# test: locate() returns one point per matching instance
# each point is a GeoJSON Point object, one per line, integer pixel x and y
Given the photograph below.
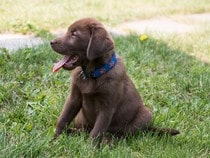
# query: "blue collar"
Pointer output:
{"type": "Point", "coordinates": [101, 70]}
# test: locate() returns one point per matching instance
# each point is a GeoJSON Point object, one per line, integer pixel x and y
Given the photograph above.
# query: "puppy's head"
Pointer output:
{"type": "Point", "coordinates": [85, 40]}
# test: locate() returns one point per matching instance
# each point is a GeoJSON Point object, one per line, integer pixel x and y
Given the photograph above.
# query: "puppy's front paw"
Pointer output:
{"type": "Point", "coordinates": [73, 131]}
{"type": "Point", "coordinates": [54, 138]}
{"type": "Point", "coordinates": [56, 134]}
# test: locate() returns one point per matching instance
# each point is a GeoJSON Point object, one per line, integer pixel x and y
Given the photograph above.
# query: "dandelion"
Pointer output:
{"type": "Point", "coordinates": [143, 37]}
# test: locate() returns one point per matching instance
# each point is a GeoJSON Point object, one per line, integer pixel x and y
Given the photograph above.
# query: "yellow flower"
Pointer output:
{"type": "Point", "coordinates": [143, 37]}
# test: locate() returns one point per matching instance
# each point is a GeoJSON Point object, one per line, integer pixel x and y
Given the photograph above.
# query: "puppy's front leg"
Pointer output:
{"type": "Point", "coordinates": [71, 108]}
{"type": "Point", "coordinates": [102, 123]}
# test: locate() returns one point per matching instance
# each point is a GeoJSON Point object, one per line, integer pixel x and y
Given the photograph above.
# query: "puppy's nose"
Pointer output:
{"type": "Point", "coordinates": [53, 42]}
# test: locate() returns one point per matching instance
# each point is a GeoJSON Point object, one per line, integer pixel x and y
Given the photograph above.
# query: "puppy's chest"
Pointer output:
{"type": "Point", "coordinates": [92, 104]}
{"type": "Point", "coordinates": [86, 86]}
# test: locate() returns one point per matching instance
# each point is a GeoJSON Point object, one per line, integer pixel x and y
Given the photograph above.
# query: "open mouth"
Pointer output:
{"type": "Point", "coordinates": [67, 61]}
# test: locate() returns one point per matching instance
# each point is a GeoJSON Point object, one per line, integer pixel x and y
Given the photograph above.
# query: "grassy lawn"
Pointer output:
{"type": "Point", "coordinates": [28, 16]}
{"type": "Point", "coordinates": [167, 70]}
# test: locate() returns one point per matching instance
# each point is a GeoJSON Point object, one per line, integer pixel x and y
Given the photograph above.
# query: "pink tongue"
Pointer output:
{"type": "Point", "coordinates": [60, 63]}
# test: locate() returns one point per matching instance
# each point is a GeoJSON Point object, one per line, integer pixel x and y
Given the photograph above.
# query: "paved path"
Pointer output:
{"type": "Point", "coordinates": [13, 42]}
{"type": "Point", "coordinates": [153, 25]}
{"type": "Point", "coordinates": [178, 24]}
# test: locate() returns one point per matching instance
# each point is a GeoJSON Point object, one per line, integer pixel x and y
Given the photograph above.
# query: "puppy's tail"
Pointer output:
{"type": "Point", "coordinates": [163, 131]}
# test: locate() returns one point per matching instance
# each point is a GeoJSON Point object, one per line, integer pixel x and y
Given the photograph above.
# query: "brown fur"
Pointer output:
{"type": "Point", "coordinates": [109, 103]}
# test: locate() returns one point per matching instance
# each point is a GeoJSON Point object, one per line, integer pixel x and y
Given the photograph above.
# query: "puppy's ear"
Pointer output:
{"type": "Point", "coordinates": [100, 42]}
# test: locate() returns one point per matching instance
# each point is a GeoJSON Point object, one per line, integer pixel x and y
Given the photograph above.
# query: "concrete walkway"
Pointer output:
{"type": "Point", "coordinates": [153, 25]}
{"type": "Point", "coordinates": [13, 42]}
{"type": "Point", "coordinates": [177, 24]}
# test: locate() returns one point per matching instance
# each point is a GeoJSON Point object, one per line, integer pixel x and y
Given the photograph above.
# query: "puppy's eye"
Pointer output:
{"type": "Point", "coordinates": [73, 33]}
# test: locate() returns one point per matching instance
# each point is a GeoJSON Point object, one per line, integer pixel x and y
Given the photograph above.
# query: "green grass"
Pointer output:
{"type": "Point", "coordinates": [174, 85]}
{"type": "Point", "coordinates": [171, 72]}
{"type": "Point", "coordinates": [29, 16]}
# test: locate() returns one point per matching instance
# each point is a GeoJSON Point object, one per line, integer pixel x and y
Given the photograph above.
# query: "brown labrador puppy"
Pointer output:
{"type": "Point", "coordinates": [103, 98]}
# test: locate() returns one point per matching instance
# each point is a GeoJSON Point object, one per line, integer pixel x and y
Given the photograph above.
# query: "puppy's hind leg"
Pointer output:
{"type": "Point", "coordinates": [142, 121]}
{"type": "Point", "coordinates": [81, 123]}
